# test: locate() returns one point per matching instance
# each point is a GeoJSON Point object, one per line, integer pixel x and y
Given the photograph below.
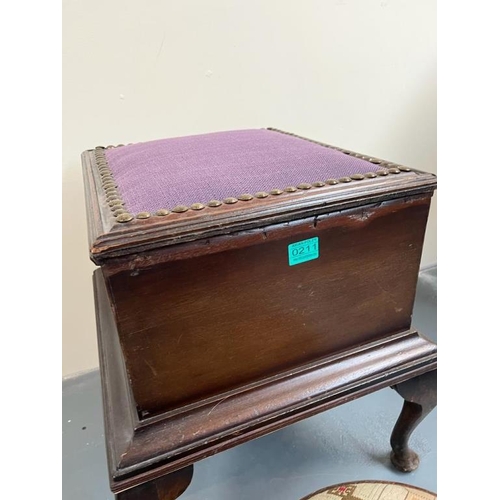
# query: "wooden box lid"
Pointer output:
{"type": "Point", "coordinates": [153, 194]}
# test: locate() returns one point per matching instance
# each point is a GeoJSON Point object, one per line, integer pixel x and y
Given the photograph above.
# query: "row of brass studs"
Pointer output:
{"type": "Point", "coordinates": [113, 198]}
{"type": "Point", "coordinates": [375, 161]}
{"type": "Point", "coordinates": [117, 205]}
{"type": "Point", "coordinates": [262, 194]}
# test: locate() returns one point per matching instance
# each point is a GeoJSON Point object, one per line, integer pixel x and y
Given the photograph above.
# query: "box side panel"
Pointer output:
{"type": "Point", "coordinates": [212, 317]}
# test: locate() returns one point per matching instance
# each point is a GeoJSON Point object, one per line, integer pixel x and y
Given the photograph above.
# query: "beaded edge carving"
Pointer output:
{"type": "Point", "coordinates": [117, 206]}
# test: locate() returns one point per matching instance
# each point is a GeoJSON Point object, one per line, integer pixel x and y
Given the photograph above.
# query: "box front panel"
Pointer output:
{"type": "Point", "coordinates": [211, 317]}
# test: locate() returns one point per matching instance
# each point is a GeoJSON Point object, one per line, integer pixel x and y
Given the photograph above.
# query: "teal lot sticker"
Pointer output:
{"type": "Point", "coordinates": [303, 251]}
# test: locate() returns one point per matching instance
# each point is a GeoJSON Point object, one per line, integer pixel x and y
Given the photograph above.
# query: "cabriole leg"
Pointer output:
{"type": "Point", "coordinates": [420, 395]}
{"type": "Point", "coordinates": [167, 487]}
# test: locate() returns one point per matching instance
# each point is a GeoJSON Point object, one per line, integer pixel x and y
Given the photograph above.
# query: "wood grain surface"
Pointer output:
{"type": "Point", "coordinates": [211, 317]}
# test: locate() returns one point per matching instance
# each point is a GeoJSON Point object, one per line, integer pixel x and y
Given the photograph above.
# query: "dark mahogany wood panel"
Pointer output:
{"type": "Point", "coordinates": [172, 441]}
{"type": "Point", "coordinates": [197, 320]}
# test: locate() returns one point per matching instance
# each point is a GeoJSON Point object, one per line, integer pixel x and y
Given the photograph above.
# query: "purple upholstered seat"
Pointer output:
{"type": "Point", "coordinates": [196, 169]}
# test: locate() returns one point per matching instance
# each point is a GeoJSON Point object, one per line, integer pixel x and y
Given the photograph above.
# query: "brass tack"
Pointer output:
{"type": "Point", "coordinates": [126, 217]}
{"type": "Point", "coordinates": [115, 202]}
{"type": "Point", "coordinates": [230, 201]}
{"type": "Point", "coordinates": [245, 197]}
{"type": "Point", "coordinates": [261, 194]}
{"type": "Point", "coordinates": [404, 169]}
{"type": "Point", "coordinates": [110, 147]}
{"type": "Point", "coordinates": [374, 160]}
{"type": "Point", "coordinates": [345, 179]}
{"type": "Point", "coordinates": [99, 147]}
{"type": "Point", "coordinates": [119, 145]}
{"type": "Point", "coordinates": [318, 184]}
{"type": "Point", "coordinates": [290, 189]}
{"type": "Point", "coordinates": [382, 172]}
{"type": "Point", "coordinates": [162, 211]}
{"type": "Point", "coordinates": [394, 171]}
{"type": "Point", "coordinates": [197, 206]}
{"type": "Point", "coordinates": [143, 215]}
{"type": "Point", "coordinates": [111, 191]}
{"type": "Point", "coordinates": [117, 207]}
{"type": "Point", "coordinates": [276, 192]}
{"type": "Point", "coordinates": [332, 182]}
{"type": "Point", "coordinates": [357, 177]}
{"type": "Point", "coordinates": [119, 211]}
{"type": "Point", "coordinates": [214, 203]}
{"type": "Point", "coordinates": [180, 209]}
{"type": "Point", "coordinates": [304, 185]}
{"type": "Point", "coordinates": [370, 175]}
{"type": "Point", "coordinates": [112, 197]}
{"type": "Point", "coordinates": [106, 178]}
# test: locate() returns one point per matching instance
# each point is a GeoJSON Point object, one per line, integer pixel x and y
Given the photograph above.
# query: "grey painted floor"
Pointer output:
{"type": "Point", "coordinates": [346, 443]}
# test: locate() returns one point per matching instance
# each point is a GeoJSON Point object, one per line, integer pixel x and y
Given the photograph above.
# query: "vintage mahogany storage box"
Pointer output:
{"type": "Point", "coordinates": [249, 279]}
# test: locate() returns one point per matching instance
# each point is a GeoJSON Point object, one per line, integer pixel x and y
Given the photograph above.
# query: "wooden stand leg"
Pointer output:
{"type": "Point", "coordinates": [420, 395]}
{"type": "Point", "coordinates": [168, 487]}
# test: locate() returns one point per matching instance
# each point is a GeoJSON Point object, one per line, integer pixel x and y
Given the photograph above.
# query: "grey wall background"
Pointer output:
{"type": "Point", "coordinates": [360, 74]}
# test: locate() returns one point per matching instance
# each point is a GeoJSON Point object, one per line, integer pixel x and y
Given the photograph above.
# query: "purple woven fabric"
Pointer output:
{"type": "Point", "coordinates": [196, 169]}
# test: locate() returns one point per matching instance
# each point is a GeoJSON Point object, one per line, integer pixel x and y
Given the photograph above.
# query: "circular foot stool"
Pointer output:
{"type": "Point", "coordinates": [371, 490]}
